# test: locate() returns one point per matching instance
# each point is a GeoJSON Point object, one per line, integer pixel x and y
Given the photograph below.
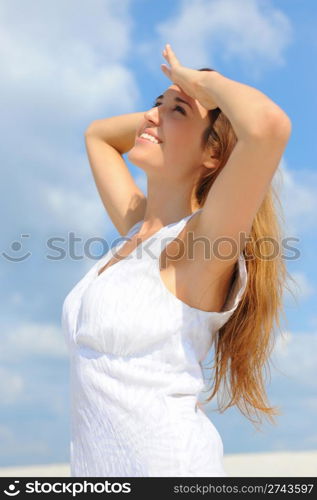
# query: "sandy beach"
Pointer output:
{"type": "Point", "coordinates": [278, 464]}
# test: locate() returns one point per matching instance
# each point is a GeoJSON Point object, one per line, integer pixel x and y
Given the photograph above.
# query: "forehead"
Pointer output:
{"type": "Point", "coordinates": [175, 90]}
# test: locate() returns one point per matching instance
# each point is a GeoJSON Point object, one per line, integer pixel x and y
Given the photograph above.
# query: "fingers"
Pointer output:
{"type": "Point", "coordinates": [166, 55]}
{"type": "Point", "coordinates": [166, 71]}
{"type": "Point", "coordinates": [171, 59]}
{"type": "Point", "coordinates": [169, 55]}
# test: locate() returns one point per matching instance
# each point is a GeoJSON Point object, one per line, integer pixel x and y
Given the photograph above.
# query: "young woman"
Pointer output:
{"type": "Point", "coordinates": [189, 275]}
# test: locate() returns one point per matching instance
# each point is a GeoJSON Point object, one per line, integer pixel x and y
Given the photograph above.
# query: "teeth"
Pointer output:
{"type": "Point", "coordinates": [149, 137]}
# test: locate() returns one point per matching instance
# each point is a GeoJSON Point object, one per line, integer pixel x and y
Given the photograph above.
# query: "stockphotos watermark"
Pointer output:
{"type": "Point", "coordinates": [76, 248]}
{"type": "Point", "coordinates": [60, 487]}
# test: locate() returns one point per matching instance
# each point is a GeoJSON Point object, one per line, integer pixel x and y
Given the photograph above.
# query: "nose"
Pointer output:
{"type": "Point", "coordinates": [152, 114]}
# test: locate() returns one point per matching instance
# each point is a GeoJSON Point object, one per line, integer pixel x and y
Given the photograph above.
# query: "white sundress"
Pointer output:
{"type": "Point", "coordinates": [135, 369]}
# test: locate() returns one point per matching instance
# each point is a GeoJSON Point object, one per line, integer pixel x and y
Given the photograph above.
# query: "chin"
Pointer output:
{"type": "Point", "coordinates": [143, 159]}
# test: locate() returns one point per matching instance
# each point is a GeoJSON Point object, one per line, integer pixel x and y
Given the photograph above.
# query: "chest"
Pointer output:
{"type": "Point", "coordinates": [189, 280]}
{"type": "Point", "coordinates": [123, 312]}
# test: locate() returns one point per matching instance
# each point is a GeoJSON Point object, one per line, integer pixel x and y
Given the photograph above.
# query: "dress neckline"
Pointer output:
{"type": "Point", "coordinates": [136, 226]}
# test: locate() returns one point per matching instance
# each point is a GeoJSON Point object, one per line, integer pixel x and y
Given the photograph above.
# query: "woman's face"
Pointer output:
{"type": "Point", "coordinates": [180, 126]}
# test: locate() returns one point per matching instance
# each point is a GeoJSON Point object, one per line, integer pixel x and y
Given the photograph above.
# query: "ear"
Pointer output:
{"type": "Point", "coordinates": [209, 161]}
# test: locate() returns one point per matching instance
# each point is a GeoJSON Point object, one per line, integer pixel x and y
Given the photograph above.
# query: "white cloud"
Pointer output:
{"type": "Point", "coordinates": [294, 357]}
{"type": "Point", "coordinates": [28, 340]}
{"type": "Point", "coordinates": [305, 288]}
{"type": "Point", "coordinates": [312, 321]}
{"type": "Point", "coordinates": [5, 433]}
{"type": "Point", "coordinates": [298, 196]}
{"type": "Point", "coordinates": [16, 298]}
{"type": "Point", "coordinates": [63, 64]}
{"type": "Point", "coordinates": [73, 211]}
{"type": "Point", "coordinates": [60, 69]}
{"type": "Point", "coordinates": [11, 386]}
{"type": "Point", "coordinates": [59, 61]}
{"type": "Point", "coordinates": [207, 32]}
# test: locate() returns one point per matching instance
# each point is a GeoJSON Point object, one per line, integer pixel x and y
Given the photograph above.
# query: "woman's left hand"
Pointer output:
{"type": "Point", "coordinates": [186, 78]}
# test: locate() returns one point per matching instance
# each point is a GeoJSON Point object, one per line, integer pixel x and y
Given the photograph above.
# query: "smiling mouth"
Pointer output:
{"type": "Point", "coordinates": [149, 141]}
{"type": "Point", "coordinates": [150, 137]}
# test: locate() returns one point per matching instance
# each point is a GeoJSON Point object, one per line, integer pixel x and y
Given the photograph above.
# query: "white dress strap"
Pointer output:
{"type": "Point", "coordinates": [238, 287]}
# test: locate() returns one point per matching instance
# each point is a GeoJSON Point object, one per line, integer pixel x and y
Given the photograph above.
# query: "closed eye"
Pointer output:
{"type": "Point", "coordinates": [177, 108]}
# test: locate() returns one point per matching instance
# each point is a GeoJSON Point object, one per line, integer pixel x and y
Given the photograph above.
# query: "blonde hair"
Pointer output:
{"type": "Point", "coordinates": [244, 344]}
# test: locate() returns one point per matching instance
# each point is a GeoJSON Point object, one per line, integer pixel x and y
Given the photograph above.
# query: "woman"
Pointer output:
{"type": "Point", "coordinates": [138, 329]}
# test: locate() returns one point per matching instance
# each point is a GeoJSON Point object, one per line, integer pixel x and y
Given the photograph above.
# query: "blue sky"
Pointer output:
{"type": "Point", "coordinates": [64, 64]}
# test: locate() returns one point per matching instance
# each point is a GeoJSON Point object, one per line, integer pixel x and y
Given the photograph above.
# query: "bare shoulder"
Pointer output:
{"type": "Point", "coordinates": [192, 274]}
{"type": "Point", "coordinates": [206, 253]}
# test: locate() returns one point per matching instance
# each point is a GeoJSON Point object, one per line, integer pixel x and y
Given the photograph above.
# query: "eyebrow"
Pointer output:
{"type": "Point", "coordinates": [178, 99]}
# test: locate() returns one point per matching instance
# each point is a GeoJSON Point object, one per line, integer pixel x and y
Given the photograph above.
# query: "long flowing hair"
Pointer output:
{"type": "Point", "coordinates": [243, 346]}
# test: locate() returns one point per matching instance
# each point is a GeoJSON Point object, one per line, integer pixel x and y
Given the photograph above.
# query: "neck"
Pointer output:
{"type": "Point", "coordinates": [166, 205]}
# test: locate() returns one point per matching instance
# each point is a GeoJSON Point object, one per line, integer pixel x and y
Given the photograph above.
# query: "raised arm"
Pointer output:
{"type": "Point", "coordinates": [263, 130]}
{"type": "Point", "coordinates": [106, 141]}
